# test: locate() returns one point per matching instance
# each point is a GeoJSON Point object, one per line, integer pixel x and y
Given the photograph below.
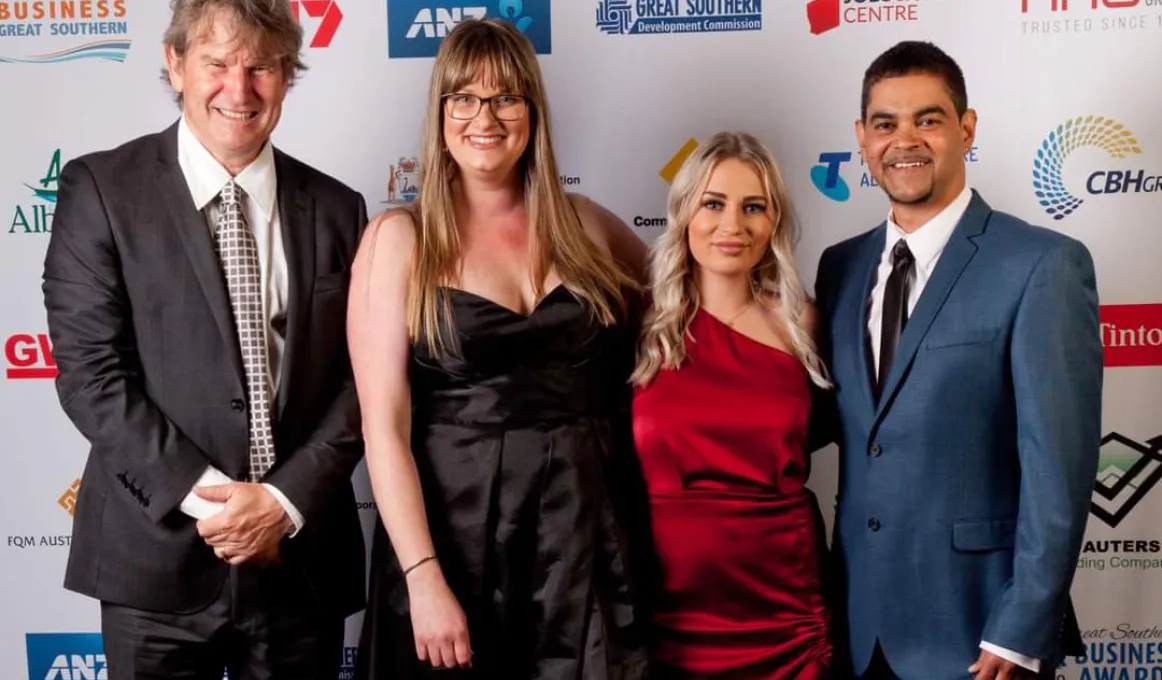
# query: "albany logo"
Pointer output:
{"type": "Point", "coordinates": [415, 28]}
{"type": "Point", "coordinates": [828, 179]}
{"type": "Point", "coordinates": [326, 17]}
{"type": "Point", "coordinates": [66, 656]}
{"type": "Point", "coordinates": [36, 218]}
{"type": "Point", "coordinates": [651, 17]}
{"type": "Point", "coordinates": [59, 31]}
{"type": "Point", "coordinates": [1127, 471]}
{"type": "Point", "coordinates": [29, 357]}
{"type": "Point", "coordinates": [826, 15]}
{"type": "Point", "coordinates": [1099, 132]}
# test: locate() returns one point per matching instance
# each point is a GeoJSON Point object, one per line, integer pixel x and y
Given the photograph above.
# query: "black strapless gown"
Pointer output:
{"type": "Point", "coordinates": [511, 437]}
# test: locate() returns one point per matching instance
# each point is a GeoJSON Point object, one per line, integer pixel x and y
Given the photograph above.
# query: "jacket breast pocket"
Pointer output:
{"type": "Point", "coordinates": [976, 336]}
{"type": "Point", "coordinates": [332, 282]}
{"type": "Point", "coordinates": [982, 535]}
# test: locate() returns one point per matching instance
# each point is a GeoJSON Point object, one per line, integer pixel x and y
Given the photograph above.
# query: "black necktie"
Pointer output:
{"type": "Point", "coordinates": [895, 310]}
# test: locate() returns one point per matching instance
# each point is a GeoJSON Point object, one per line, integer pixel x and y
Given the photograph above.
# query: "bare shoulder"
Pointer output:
{"type": "Point", "coordinates": [612, 235]}
{"type": "Point", "coordinates": [594, 219]}
{"type": "Point", "coordinates": [390, 237]}
{"type": "Point", "coordinates": [809, 318]}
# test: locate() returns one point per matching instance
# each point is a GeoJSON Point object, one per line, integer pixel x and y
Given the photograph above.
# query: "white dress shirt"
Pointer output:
{"type": "Point", "coordinates": [205, 178]}
{"type": "Point", "coordinates": [926, 243]}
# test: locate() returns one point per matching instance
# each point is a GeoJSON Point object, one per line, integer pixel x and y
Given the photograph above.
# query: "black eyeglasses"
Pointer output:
{"type": "Point", "coordinates": [507, 107]}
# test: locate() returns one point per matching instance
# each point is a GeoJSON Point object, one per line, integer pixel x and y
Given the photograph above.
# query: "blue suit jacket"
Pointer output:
{"type": "Point", "coordinates": [964, 493]}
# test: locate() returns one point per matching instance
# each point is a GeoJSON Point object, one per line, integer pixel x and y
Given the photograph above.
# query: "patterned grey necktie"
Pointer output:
{"type": "Point", "coordinates": [238, 252]}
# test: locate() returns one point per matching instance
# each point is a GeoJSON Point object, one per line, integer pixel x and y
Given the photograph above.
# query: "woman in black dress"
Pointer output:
{"type": "Point", "coordinates": [488, 341]}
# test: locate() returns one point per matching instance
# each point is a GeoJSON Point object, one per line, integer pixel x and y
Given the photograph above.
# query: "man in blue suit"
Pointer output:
{"type": "Point", "coordinates": [965, 350]}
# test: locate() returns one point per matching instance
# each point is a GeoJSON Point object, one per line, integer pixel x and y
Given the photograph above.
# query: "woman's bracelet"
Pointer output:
{"type": "Point", "coordinates": [407, 571]}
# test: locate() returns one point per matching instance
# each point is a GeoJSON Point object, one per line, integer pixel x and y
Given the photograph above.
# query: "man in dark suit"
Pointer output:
{"type": "Point", "coordinates": [965, 350]}
{"type": "Point", "coordinates": [196, 286]}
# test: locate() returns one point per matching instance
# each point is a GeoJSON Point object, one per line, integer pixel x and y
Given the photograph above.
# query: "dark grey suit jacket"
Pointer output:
{"type": "Point", "coordinates": [151, 375]}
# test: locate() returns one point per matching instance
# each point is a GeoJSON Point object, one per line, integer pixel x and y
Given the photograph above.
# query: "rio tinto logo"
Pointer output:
{"type": "Point", "coordinates": [1131, 335]}
{"type": "Point", "coordinates": [29, 357]}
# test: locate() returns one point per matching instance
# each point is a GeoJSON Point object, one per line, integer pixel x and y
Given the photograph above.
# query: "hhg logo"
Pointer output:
{"type": "Point", "coordinates": [620, 17]}
{"type": "Point", "coordinates": [829, 181]}
{"type": "Point", "coordinates": [65, 656]}
{"type": "Point", "coordinates": [1126, 472]}
{"type": "Point", "coordinates": [64, 30]}
{"type": "Point", "coordinates": [36, 218]}
{"type": "Point", "coordinates": [329, 14]}
{"type": "Point", "coordinates": [415, 28]}
{"type": "Point", "coordinates": [1100, 132]}
{"type": "Point", "coordinates": [29, 357]}
{"type": "Point", "coordinates": [825, 15]}
{"type": "Point", "coordinates": [68, 499]}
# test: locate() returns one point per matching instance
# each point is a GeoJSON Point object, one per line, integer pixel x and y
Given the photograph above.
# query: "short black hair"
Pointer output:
{"type": "Point", "coordinates": [913, 57]}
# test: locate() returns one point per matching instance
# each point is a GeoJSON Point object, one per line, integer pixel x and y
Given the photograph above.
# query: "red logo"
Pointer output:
{"type": "Point", "coordinates": [1131, 335]}
{"type": "Point", "coordinates": [29, 357]}
{"type": "Point", "coordinates": [328, 11]}
{"type": "Point", "coordinates": [824, 15]}
{"type": "Point", "coordinates": [1063, 5]}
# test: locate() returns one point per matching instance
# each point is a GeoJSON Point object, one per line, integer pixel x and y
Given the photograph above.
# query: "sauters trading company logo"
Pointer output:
{"type": "Point", "coordinates": [58, 31]}
{"type": "Point", "coordinates": [826, 15]}
{"type": "Point", "coordinates": [640, 17]}
{"type": "Point", "coordinates": [1127, 471]}
{"type": "Point", "coordinates": [415, 28]}
{"type": "Point", "coordinates": [35, 217]}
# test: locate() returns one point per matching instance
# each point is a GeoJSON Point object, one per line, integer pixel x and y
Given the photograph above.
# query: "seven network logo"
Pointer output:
{"type": "Point", "coordinates": [825, 15]}
{"type": "Point", "coordinates": [1126, 472]}
{"type": "Point", "coordinates": [64, 30]}
{"type": "Point", "coordinates": [36, 217]}
{"type": "Point", "coordinates": [327, 13]}
{"type": "Point", "coordinates": [829, 181]}
{"type": "Point", "coordinates": [619, 17]}
{"type": "Point", "coordinates": [1100, 132]}
{"type": "Point", "coordinates": [415, 28]}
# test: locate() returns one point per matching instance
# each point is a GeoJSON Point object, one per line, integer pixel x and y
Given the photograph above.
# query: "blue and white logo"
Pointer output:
{"type": "Point", "coordinates": [415, 28]}
{"type": "Point", "coordinates": [620, 17]}
{"type": "Point", "coordinates": [65, 656]}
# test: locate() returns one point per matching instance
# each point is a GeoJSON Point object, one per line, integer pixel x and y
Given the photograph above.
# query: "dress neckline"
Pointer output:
{"type": "Point", "coordinates": [536, 308]}
{"type": "Point", "coordinates": [737, 333]}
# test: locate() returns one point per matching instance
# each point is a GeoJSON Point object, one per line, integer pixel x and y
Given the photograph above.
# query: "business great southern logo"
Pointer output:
{"type": "Point", "coordinates": [59, 31]}
{"type": "Point", "coordinates": [1127, 471]}
{"type": "Point", "coordinates": [826, 15]}
{"type": "Point", "coordinates": [643, 17]}
{"type": "Point", "coordinates": [325, 17]}
{"type": "Point", "coordinates": [415, 28]}
{"type": "Point", "coordinates": [65, 656]}
{"type": "Point", "coordinates": [1100, 132]}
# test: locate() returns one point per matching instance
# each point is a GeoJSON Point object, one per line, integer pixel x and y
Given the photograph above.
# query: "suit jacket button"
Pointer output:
{"type": "Point", "coordinates": [237, 404]}
{"type": "Point", "coordinates": [873, 524]}
{"type": "Point", "coordinates": [875, 450]}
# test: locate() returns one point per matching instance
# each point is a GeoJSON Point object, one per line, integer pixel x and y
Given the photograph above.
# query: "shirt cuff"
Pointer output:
{"type": "Point", "coordinates": [199, 508]}
{"type": "Point", "coordinates": [1029, 662]}
{"type": "Point", "coordinates": [291, 510]}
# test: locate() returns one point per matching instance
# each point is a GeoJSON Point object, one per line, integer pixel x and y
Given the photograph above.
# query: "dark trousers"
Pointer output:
{"type": "Point", "coordinates": [264, 625]}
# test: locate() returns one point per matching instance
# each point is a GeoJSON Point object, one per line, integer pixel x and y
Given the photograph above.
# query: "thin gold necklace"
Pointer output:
{"type": "Point", "coordinates": [740, 313]}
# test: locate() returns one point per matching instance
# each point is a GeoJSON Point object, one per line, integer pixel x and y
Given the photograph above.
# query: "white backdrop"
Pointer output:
{"type": "Point", "coordinates": [630, 83]}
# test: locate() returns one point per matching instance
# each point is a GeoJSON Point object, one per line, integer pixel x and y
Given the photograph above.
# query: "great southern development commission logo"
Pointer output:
{"type": "Point", "coordinates": [58, 31]}
{"type": "Point", "coordinates": [622, 17]}
{"type": "Point", "coordinates": [1127, 470]}
{"type": "Point", "coordinates": [1100, 132]}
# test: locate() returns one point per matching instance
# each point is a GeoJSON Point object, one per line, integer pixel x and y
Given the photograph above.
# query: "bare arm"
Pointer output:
{"type": "Point", "coordinates": [379, 347]}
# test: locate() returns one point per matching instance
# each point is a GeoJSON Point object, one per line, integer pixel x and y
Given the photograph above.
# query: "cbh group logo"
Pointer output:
{"type": "Point", "coordinates": [325, 17]}
{"type": "Point", "coordinates": [415, 28]}
{"type": "Point", "coordinates": [29, 357]}
{"type": "Point", "coordinates": [827, 15]}
{"type": "Point", "coordinates": [65, 656]}
{"type": "Point", "coordinates": [1098, 132]}
{"type": "Point", "coordinates": [59, 31]}
{"type": "Point", "coordinates": [35, 217]}
{"type": "Point", "coordinates": [622, 17]}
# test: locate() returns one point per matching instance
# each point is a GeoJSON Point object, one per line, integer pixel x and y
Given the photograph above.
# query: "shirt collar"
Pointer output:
{"type": "Point", "coordinates": [206, 176]}
{"type": "Point", "coordinates": [927, 241]}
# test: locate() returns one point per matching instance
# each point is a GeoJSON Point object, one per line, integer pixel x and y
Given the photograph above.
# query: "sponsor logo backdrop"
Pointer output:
{"type": "Point", "coordinates": [1069, 138]}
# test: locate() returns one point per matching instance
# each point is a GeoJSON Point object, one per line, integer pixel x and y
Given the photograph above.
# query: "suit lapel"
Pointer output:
{"type": "Point", "coordinates": [296, 215]}
{"type": "Point", "coordinates": [195, 236]}
{"type": "Point", "coordinates": [956, 255]}
{"type": "Point", "coordinates": [867, 262]}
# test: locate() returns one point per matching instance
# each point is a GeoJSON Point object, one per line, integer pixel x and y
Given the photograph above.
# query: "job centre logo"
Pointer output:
{"type": "Point", "coordinates": [415, 28]}
{"type": "Point", "coordinates": [1099, 132]}
{"type": "Point", "coordinates": [646, 17]}
{"type": "Point", "coordinates": [59, 31]}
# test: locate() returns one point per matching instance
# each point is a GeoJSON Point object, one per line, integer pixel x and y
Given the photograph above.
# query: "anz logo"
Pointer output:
{"type": "Point", "coordinates": [415, 28]}
{"type": "Point", "coordinates": [78, 667]}
{"type": "Point", "coordinates": [66, 656]}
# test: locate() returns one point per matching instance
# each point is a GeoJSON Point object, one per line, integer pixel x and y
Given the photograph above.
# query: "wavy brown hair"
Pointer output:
{"type": "Point", "coordinates": [496, 49]}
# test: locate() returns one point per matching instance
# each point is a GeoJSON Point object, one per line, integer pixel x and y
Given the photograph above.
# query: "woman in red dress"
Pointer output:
{"type": "Point", "coordinates": [725, 375]}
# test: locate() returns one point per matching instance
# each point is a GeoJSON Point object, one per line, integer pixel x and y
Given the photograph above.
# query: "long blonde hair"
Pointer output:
{"type": "Point", "coordinates": [675, 295]}
{"type": "Point", "coordinates": [498, 49]}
